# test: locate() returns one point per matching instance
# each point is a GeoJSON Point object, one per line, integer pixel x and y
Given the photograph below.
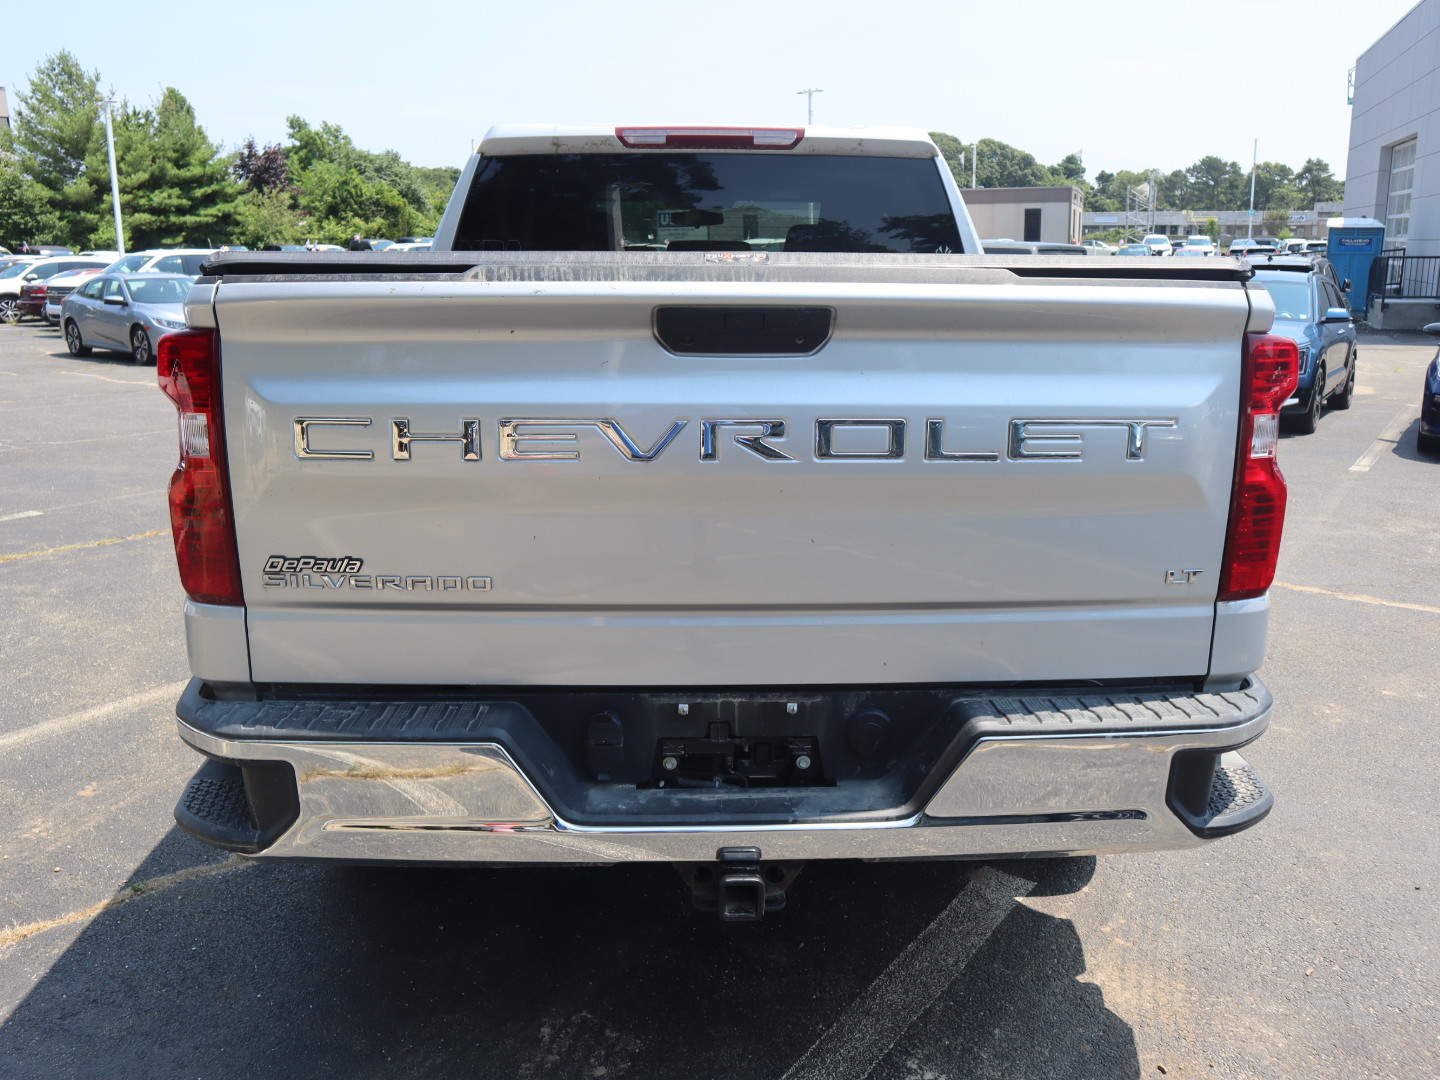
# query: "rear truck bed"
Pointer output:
{"type": "Point", "coordinates": [592, 558]}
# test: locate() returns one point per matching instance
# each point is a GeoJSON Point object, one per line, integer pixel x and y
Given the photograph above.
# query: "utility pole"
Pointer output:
{"type": "Point", "coordinates": [809, 104]}
{"type": "Point", "coordinates": [109, 104]}
{"type": "Point", "coordinates": [1250, 222]}
{"type": "Point", "coordinates": [974, 158]}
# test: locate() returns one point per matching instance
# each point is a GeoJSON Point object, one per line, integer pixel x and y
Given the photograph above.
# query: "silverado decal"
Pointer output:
{"type": "Point", "coordinates": [343, 572]}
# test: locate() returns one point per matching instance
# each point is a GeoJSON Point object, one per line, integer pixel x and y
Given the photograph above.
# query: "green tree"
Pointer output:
{"type": "Point", "coordinates": [57, 122]}
{"type": "Point", "coordinates": [267, 217]}
{"type": "Point", "coordinates": [1272, 180]}
{"type": "Point", "coordinates": [999, 164]}
{"type": "Point", "coordinates": [1316, 183]}
{"type": "Point", "coordinates": [1214, 184]}
{"type": "Point", "coordinates": [25, 214]}
{"type": "Point", "coordinates": [1174, 193]}
{"type": "Point", "coordinates": [1101, 199]}
{"type": "Point", "coordinates": [955, 154]}
{"type": "Point", "coordinates": [175, 185]}
{"type": "Point", "coordinates": [183, 191]}
{"type": "Point", "coordinates": [343, 190]}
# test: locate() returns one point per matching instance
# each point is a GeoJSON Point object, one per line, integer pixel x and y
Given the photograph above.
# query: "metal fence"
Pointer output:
{"type": "Point", "coordinates": [1397, 276]}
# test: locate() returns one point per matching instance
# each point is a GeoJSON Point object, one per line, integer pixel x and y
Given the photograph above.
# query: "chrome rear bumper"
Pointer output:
{"type": "Point", "coordinates": [1060, 779]}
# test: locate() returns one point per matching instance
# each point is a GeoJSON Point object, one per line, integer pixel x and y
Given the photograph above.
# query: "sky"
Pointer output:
{"type": "Point", "coordinates": [1159, 86]}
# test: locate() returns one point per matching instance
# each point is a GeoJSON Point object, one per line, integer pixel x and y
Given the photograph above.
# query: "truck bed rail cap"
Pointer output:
{"type": "Point", "coordinates": [571, 266]}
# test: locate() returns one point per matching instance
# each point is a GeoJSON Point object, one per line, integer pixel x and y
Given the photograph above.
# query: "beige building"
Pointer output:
{"type": "Point", "coordinates": [4, 109]}
{"type": "Point", "coordinates": [1312, 224]}
{"type": "Point", "coordinates": [1050, 215]}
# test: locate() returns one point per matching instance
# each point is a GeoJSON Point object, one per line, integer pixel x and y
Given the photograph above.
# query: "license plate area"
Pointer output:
{"type": "Point", "coordinates": [723, 757]}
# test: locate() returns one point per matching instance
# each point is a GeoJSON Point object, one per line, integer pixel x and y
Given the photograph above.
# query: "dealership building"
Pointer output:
{"type": "Point", "coordinates": [1393, 172]}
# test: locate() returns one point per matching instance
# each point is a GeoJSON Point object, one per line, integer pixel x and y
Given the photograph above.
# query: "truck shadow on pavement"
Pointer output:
{"type": "Point", "coordinates": [282, 970]}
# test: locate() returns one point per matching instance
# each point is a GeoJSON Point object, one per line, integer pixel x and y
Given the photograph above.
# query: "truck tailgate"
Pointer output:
{"type": "Point", "coordinates": [1039, 488]}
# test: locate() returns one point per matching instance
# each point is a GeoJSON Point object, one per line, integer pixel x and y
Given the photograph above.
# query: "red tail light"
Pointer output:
{"type": "Point", "coordinates": [200, 510]}
{"type": "Point", "coordinates": [709, 138]}
{"type": "Point", "coordinates": [1271, 371]}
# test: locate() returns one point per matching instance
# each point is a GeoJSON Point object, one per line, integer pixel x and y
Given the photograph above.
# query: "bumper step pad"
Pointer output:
{"type": "Point", "coordinates": [215, 809]}
{"type": "Point", "coordinates": [1238, 797]}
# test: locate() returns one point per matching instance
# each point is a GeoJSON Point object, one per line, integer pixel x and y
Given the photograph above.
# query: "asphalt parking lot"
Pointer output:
{"type": "Point", "coordinates": [1306, 947]}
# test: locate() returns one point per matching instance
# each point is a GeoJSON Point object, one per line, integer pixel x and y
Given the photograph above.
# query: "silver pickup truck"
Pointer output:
{"type": "Point", "coordinates": [708, 497]}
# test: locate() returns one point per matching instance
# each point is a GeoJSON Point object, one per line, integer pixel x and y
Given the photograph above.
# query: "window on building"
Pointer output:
{"type": "Point", "coordinates": [1397, 202]}
{"type": "Point", "coordinates": [1032, 224]}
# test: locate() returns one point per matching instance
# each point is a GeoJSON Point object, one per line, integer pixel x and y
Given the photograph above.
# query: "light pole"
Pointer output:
{"type": "Point", "coordinates": [1250, 221]}
{"type": "Point", "coordinates": [109, 104]}
{"type": "Point", "coordinates": [809, 104]}
{"type": "Point", "coordinates": [974, 157]}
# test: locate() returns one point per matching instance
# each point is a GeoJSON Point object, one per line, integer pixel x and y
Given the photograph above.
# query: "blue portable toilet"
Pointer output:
{"type": "Point", "coordinates": [1355, 244]}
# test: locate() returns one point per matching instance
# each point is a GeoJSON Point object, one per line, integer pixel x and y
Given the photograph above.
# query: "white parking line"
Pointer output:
{"type": "Point", "coordinates": [128, 382]}
{"type": "Point", "coordinates": [1359, 598]}
{"type": "Point", "coordinates": [146, 698]}
{"type": "Point", "coordinates": [23, 514]}
{"type": "Point", "coordinates": [1387, 438]}
{"type": "Point", "coordinates": [878, 1018]}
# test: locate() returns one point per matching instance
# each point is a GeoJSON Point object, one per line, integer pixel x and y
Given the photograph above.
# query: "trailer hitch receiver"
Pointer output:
{"type": "Point", "coordinates": [739, 886]}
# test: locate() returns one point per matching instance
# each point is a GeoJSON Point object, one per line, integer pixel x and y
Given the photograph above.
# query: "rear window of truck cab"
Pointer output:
{"type": "Point", "coordinates": [707, 202]}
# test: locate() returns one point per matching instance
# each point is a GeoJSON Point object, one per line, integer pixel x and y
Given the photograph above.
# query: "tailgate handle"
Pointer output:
{"type": "Point", "coordinates": [743, 331]}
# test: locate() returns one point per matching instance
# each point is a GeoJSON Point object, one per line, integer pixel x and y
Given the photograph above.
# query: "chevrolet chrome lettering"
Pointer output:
{"type": "Point", "coordinates": [539, 438]}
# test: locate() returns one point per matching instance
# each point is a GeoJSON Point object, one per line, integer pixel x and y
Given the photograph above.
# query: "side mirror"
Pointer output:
{"type": "Point", "coordinates": [1433, 328]}
{"type": "Point", "coordinates": [115, 301]}
{"type": "Point", "coordinates": [31, 277]}
{"type": "Point", "coordinates": [1345, 284]}
{"type": "Point", "coordinates": [1336, 314]}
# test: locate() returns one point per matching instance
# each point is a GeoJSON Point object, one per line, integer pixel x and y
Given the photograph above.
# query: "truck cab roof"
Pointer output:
{"type": "Point", "coordinates": [510, 139]}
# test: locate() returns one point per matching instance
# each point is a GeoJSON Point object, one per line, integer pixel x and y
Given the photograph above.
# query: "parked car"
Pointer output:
{"type": "Point", "coordinates": [61, 286]}
{"type": "Point", "coordinates": [30, 279]}
{"type": "Point", "coordinates": [363, 244]}
{"type": "Point", "coordinates": [1098, 247]}
{"type": "Point", "coordinates": [421, 247]}
{"type": "Point", "coordinates": [1311, 309]}
{"type": "Point", "coordinates": [162, 261]}
{"type": "Point", "coordinates": [427, 240]}
{"type": "Point", "coordinates": [1030, 247]}
{"type": "Point", "coordinates": [1199, 244]}
{"type": "Point", "coordinates": [1427, 439]}
{"type": "Point", "coordinates": [126, 312]}
{"type": "Point", "coordinates": [1300, 264]}
{"type": "Point", "coordinates": [1158, 245]}
{"type": "Point", "coordinates": [1135, 248]}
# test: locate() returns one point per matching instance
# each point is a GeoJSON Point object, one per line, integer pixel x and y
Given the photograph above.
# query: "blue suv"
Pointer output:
{"type": "Point", "coordinates": [1311, 309]}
